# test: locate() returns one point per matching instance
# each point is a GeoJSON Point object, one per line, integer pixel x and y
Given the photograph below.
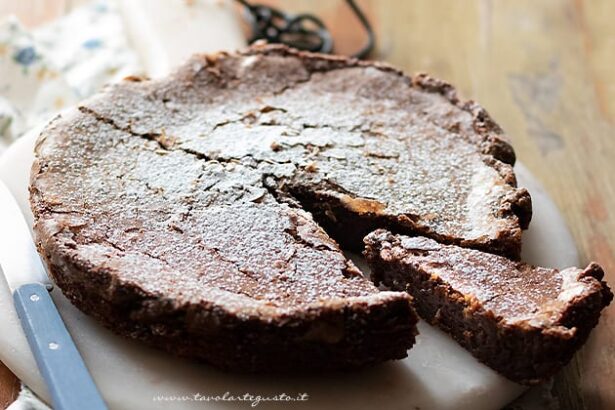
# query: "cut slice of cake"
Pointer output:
{"type": "Point", "coordinates": [526, 322]}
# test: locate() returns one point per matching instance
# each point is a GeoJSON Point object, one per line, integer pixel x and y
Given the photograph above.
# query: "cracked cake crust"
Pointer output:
{"type": "Point", "coordinates": [526, 322]}
{"type": "Point", "coordinates": [173, 210]}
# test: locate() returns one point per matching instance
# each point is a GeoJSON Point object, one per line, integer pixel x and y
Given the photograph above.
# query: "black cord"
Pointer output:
{"type": "Point", "coordinates": [275, 26]}
{"type": "Point", "coordinates": [371, 38]}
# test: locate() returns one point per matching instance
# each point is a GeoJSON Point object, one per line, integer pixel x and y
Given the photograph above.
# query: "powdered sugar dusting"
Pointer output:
{"type": "Point", "coordinates": [184, 186]}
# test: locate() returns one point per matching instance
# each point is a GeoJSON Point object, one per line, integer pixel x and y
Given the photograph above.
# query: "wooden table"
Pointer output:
{"type": "Point", "coordinates": [544, 70]}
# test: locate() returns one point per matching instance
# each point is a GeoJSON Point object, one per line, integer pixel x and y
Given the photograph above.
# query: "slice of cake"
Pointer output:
{"type": "Point", "coordinates": [526, 322]}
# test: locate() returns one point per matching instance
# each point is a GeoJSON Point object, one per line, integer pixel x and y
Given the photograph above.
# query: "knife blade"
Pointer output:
{"type": "Point", "coordinates": [18, 256]}
{"type": "Point", "coordinates": [56, 355]}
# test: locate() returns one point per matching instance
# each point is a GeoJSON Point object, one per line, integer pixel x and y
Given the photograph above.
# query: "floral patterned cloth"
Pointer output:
{"type": "Point", "coordinates": [55, 66]}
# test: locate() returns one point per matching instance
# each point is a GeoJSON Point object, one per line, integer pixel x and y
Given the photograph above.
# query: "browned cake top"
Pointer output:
{"type": "Point", "coordinates": [514, 291]}
{"type": "Point", "coordinates": [183, 186]}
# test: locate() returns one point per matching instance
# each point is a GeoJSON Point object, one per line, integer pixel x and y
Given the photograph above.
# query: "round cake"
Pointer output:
{"type": "Point", "coordinates": [202, 212]}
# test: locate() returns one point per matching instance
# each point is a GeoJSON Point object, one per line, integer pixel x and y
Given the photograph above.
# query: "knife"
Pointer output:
{"type": "Point", "coordinates": [61, 365]}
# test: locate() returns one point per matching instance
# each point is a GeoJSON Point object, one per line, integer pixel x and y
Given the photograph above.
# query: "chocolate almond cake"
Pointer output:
{"type": "Point", "coordinates": [188, 212]}
{"type": "Point", "coordinates": [526, 322]}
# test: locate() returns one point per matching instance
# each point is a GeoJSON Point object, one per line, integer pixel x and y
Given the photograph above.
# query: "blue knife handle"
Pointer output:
{"type": "Point", "coordinates": [61, 365]}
